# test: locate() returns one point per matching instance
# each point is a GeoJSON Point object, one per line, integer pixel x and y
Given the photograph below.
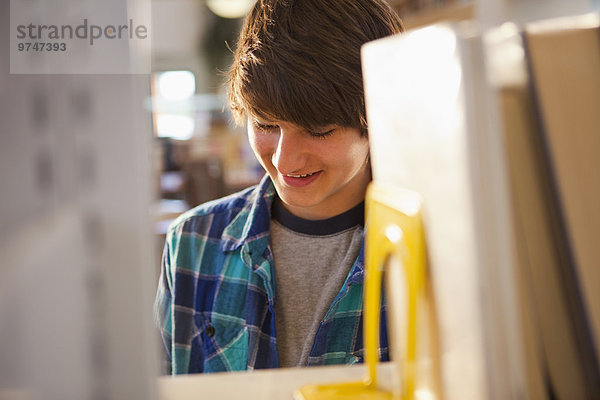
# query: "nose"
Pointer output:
{"type": "Point", "coordinates": [290, 155]}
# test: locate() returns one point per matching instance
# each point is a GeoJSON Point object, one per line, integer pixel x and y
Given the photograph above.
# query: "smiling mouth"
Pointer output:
{"type": "Point", "coordinates": [300, 180]}
{"type": "Point", "coordinates": [300, 176]}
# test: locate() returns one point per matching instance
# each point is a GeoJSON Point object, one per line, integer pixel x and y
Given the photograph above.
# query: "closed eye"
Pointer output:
{"type": "Point", "coordinates": [268, 128]}
{"type": "Point", "coordinates": [265, 127]}
{"type": "Point", "coordinates": [323, 134]}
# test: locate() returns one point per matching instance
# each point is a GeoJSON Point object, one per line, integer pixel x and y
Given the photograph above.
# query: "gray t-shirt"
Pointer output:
{"type": "Point", "coordinates": [312, 260]}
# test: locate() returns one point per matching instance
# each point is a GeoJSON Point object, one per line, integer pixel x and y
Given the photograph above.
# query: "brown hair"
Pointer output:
{"type": "Point", "coordinates": [299, 60]}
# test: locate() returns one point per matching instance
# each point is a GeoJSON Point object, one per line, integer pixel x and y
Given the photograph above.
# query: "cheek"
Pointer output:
{"type": "Point", "coordinates": [262, 145]}
{"type": "Point", "coordinates": [354, 153]}
{"type": "Point", "coordinates": [362, 149]}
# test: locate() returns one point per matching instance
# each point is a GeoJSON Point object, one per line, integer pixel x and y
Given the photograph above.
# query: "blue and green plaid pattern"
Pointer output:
{"type": "Point", "coordinates": [215, 300]}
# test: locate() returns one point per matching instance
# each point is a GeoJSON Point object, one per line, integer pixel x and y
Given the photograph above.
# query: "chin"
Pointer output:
{"type": "Point", "coordinates": [294, 201]}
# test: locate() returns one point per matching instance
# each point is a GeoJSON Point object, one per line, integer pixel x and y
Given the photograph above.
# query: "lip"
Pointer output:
{"type": "Point", "coordinates": [300, 182]}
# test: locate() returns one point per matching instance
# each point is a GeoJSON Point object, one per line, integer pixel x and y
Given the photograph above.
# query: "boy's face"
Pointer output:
{"type": "Point", "coordinates": [318, 174]}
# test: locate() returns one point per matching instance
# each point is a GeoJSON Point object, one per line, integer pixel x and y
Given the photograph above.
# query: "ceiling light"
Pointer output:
{"type": "Point", "coordinates": [230, 8]}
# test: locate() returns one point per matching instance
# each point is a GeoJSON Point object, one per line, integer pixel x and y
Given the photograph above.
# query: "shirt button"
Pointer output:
{"type": "Point", "coordinates": [210, 331]}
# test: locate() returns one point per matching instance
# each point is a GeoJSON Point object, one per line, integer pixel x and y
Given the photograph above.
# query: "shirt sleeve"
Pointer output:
{"type": "Point", "coordinates": [163, 307]}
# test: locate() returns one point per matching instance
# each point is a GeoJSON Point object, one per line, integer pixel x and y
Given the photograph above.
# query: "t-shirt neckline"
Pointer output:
{"type": "Point", "coordinates": [338, 223]}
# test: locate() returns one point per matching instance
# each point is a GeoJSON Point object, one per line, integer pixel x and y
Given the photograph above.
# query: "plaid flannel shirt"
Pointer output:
{"type": "Point", "coordinates": [215, 299]}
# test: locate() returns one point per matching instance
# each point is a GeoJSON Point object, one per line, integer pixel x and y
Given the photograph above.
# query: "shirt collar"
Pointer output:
{"type": "Point", "coordinates": [251, 227]}
{"type": "Point", "coordinates": [253, 221]}
{"type": "Point", "coordinates": [357, 274]}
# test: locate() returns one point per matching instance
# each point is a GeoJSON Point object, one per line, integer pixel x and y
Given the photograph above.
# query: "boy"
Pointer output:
{"type": "Point", "coordinates": [273, 276]}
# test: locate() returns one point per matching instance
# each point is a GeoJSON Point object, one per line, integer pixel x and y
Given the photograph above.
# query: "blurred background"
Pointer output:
{"type": "Point", "coordinates": [198, 152]}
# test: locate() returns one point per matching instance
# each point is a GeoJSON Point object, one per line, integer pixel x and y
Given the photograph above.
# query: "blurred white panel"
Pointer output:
{"type": "Point", "coordinates": [78, 266]}
{"type": "Point", "coordinates": [177, 26]}
{"type": "Point", "coordinates": [432, 129]}
{"type": "Point", "coordinates": [45, 330]}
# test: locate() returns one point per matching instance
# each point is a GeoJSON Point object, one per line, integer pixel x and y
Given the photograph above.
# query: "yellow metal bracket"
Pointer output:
{"type": "Point", "coordinates": [394, 229]}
